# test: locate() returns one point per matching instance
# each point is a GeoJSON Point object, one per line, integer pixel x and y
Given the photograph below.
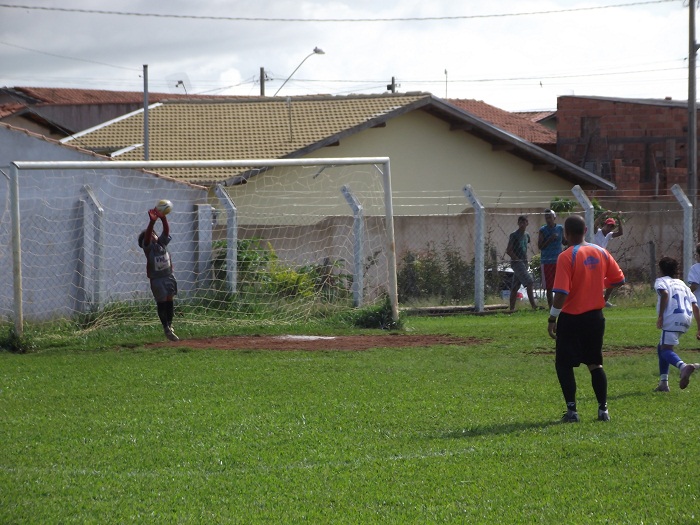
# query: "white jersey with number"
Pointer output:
{"type": "Point", "coordinates": [679, 310]}
{"type": "Point", "coordinates": [694, 278]}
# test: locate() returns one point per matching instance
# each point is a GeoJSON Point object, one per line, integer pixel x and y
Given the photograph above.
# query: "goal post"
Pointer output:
{"type": "Point", "coordinates": [277, 231]}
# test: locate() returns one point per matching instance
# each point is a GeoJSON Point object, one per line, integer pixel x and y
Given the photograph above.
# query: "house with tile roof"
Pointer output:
{"type": "Point", "coordinates": [432, 143]}
{"type": "Point", "coordinates": [436, 148]}
{"type": "Point", "coordinates": [522, 125]}
{"type": "Point", "coordinates": [59, 112]}
{"type": "Point", "coordinates": [547, 119]}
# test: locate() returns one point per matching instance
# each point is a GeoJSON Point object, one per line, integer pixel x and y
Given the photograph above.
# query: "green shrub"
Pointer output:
{"type": "Point", "coordinates": [431, 274]}
{"type": "Point", "coordinates": [562, 205]}
{"type": "Point", "coordinates": [377, 316]}
{"type": "Point", "coordinates": [19, 344]}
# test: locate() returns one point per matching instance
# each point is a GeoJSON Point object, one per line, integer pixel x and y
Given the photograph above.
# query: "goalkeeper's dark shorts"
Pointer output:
{"type": "Point", "coordinates": [164, 288]}
{"type": "Point", "coordinates": [580, 338]}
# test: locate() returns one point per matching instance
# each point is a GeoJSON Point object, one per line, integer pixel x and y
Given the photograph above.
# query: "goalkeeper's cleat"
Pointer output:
{"type": "Point", "coordinates": [663, 387]}
{"type": "Point", "coordinates": [603, 415]}
{"type": "Point", "coordinates": [570, 417]}
{"type": "Point", "coordinates": [686, 371]}
{"type": "Point", "coordinates": [170, 334]}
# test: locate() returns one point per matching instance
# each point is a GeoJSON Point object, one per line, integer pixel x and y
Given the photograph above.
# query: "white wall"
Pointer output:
{"type": "Point", "coordinates": [58, 230]}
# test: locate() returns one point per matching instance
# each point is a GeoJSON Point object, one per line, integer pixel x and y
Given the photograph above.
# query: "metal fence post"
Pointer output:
{"type": "Point", "coordinates": [588, 210]}
{"type": "Point", "coordinates": [358, 253]}
{"type": "Point", "coordinates": [688, 247]}
{"type": "Point", "coordinates": [16, 250]}
{"type": "Point", "coordinates": [231, 238]}
{"type": "Point", "coordinates": [479, 247]}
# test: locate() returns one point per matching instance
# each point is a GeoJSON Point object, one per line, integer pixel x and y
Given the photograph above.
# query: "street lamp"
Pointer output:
{"type": "Point", "coordinates": [316, 51]}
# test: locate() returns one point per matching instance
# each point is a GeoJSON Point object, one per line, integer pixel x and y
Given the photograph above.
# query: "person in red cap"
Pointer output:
{"type": "Point", "coordinates": [606, 228]}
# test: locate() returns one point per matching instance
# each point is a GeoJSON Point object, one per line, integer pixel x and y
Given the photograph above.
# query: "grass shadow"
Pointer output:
{"type": "Point", "coordinates": [499, 429]}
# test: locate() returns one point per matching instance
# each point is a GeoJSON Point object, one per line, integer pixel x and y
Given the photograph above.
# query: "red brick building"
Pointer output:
{"type": "Point", "coordinates": [638, 144]}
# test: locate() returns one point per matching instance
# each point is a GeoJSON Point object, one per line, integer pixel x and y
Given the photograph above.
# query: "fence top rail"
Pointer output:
{"type": "Point", "coordinates": [137, 164]}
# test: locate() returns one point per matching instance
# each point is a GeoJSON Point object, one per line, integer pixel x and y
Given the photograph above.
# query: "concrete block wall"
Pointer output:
{"type": "Point", "coordinates": [648, 136]}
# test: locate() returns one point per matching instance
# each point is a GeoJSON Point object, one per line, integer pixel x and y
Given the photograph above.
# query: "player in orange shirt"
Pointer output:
{"type": "Point", "coordinates": [584, 271]}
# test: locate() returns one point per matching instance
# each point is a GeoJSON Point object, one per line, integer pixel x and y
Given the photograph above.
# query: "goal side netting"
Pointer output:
{"type": "Point", "coordinates": [278, 241]}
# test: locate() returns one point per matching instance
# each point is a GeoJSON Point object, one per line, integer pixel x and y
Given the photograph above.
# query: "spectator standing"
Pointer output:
{"type": "Point", "coordinates": [606, 228]}
{"type": "Point", "coordinates": [549, 241]}
{"type": "Point", "coordinates": [517, 251]}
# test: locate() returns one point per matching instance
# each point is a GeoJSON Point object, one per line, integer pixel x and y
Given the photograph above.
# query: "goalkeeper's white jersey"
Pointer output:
{"type": "Point", "coordinates": [678, 315]}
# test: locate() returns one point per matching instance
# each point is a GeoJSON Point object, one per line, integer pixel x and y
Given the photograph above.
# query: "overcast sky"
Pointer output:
{"type": "Point", "coordinates": [514, 54]}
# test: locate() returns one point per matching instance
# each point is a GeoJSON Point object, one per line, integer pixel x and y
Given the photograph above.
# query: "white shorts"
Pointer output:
{"type": "Point", "coordinates": [670, 338]}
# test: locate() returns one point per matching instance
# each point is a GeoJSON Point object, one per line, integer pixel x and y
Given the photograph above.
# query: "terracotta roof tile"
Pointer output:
{"type": "Point", "coordinates": [507, 121]}
{"type": "Point", "coordinates": [10, 109]}
{"type": "Point", "coordinates": [535, 116]}
{"type": "Point", "coordinates": [97, 96]}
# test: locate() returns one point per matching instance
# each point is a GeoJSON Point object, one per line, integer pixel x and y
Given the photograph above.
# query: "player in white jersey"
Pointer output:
{"type": "Point", "coordinates": [676, 307]}
{"type": "Point", "coordinates": [694, 274]}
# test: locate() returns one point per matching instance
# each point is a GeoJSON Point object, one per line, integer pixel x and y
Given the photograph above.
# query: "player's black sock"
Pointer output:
{"type": "Point", "coordinates": [170, 311]}
{"type": "Point", "coordinates": [567, 380]}
{"type": "Point", "coordinates": [600, 386]}
{"type": "Point", "coordinates": [163, 313]}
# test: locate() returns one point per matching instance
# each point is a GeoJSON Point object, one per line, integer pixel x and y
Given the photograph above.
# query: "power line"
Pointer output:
{"type": "Point", "coordinates": [66, 57]}
{"type": "Point", "coordinates": [335, 20]}
{"type": "Point", "coordinates": [499, 79]}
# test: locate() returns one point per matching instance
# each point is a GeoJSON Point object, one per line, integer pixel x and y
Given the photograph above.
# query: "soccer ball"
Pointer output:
{"type": "Point", "coordinates": [164, 206]}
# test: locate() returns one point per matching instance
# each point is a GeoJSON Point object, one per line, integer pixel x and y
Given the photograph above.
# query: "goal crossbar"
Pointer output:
{"type": "Point", "coordinates": [136, 164]}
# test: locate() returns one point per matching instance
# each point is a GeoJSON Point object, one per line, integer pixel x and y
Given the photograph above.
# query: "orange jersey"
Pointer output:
{"type": "Point", "coordinates": [583, 272]}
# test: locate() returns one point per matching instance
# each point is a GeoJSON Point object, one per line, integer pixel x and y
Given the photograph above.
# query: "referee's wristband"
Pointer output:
{"type": "Point", "coordinates": [554, 312]}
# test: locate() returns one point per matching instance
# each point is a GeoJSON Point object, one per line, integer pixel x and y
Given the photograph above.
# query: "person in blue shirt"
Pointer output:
{"type": "Point", "coordinates": [550, 242]}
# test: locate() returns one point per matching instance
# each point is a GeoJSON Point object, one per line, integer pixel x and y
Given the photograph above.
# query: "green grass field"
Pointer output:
{"type": "Point", "coordinates": [100, 430]}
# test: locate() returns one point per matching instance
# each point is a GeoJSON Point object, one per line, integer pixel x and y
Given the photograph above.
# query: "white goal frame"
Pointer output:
{"type": "Point", "coordinates": [381, 163]}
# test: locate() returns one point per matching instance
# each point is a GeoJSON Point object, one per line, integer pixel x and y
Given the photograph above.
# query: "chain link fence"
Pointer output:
{"type": "Point", "coordinates": [435, 253]}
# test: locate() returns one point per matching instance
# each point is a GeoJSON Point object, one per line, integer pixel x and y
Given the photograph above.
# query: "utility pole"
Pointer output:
{"type": "Point", "coordinates": [392, 87]}
{"type": "Point", "coordinates": [692, 114]}
{"type": "Point", "coordinates": [262, 81]}
{"type": "Point", "coordinates": [146, 132]}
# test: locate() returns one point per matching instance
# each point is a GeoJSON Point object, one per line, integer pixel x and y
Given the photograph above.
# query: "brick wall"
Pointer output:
{"type": "Point", "coordinates": [608, 136]}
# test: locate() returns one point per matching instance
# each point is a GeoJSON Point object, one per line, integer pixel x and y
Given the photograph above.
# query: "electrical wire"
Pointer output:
{"type": "Point", "coordinates": [334, 20]}
{"type": "Point", "coordinates": [67, 57]}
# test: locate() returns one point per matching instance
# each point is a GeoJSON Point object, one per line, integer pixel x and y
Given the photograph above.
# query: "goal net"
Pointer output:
{"type": "Point", "coordinates": [278, 241]}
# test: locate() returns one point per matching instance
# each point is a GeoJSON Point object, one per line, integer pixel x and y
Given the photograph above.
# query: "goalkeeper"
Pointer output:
{"type": "Point", "coordinates": [159, 269]}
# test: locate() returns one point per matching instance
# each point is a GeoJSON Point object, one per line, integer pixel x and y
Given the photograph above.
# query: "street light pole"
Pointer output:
{"type": "Point", "coordinates": [316, 51]}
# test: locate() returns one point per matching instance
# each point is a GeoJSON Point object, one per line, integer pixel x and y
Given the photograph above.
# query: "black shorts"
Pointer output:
{"type": "Point", "coordinates": [580, 338]}
{"type": "Point", "coordinates": [164, 288]}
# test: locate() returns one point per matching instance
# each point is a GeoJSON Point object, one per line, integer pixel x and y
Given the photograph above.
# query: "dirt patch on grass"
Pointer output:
{"type": "Point", "coordinates": [621, 351]}
{"type": "Point", "coordinates": [311, 343]}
